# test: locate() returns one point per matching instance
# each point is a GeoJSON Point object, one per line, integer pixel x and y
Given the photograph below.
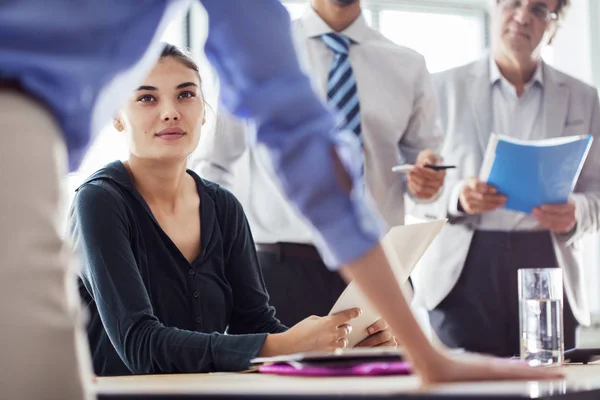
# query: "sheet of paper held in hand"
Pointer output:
{"type": "Point", "coordinates": [404, 247]}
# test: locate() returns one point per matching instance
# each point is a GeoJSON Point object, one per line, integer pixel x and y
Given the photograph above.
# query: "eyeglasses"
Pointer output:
{"type": "Point", "coordinates": [540, 11]}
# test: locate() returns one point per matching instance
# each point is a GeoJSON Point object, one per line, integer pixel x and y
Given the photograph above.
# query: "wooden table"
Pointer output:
{"type": "Point", "coordinates": [582, 383]}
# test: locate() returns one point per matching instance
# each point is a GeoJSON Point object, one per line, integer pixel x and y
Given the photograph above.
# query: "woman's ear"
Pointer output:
{"type": "Point", "coordinates": [118, 122]}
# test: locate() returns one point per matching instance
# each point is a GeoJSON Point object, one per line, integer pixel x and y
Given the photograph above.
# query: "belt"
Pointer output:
{"type": "Point", "coordinates": [296, 250]}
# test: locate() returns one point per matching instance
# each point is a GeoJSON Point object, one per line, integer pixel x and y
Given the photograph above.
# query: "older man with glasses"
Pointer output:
{"type": "Point", "coordinates": [468, 279]}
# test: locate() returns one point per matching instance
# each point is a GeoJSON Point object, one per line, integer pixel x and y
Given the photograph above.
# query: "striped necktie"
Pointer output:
{"type": "Point", "coordinates": [341, 85]}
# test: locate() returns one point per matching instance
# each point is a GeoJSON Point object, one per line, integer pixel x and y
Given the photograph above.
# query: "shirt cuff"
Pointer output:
{"type": "Point", "coordinates": [453, 210]}
{"type": "Point", "coordinates": [236, 351]}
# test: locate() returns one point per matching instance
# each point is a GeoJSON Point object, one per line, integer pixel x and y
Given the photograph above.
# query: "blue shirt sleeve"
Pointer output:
{"type": "Point", "coordinates": [250, 45]}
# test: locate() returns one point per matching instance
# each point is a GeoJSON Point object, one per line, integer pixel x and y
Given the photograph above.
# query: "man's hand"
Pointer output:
{"type": "Point", "coordinates": [558, 218]}
{"type": "Point", "coordinates": [477, 197]}
{"type": "Point", "coordinates": [380, 335]}
{"type": "Point", "coordinates": [425, 182]}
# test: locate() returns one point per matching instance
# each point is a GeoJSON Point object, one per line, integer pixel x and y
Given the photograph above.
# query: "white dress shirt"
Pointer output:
{"type": "Point", "coordinates": [398, 117]}
{"type": "Point", "coordinates": [519, 117]}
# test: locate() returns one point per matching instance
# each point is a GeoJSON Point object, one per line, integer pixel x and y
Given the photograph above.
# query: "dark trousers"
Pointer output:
{"type": "Point", "coordinates": [481, 313]}
{"type": "Point", "coordinates": [298, 282]}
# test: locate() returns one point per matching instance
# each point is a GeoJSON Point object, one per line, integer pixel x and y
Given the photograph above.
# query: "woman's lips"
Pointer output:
{"type": "Point", "coordinates": [171, 134]}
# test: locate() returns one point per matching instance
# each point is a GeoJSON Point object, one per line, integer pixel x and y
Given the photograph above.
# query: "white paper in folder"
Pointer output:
{"type": "Point", "coordinates": [404, 246]}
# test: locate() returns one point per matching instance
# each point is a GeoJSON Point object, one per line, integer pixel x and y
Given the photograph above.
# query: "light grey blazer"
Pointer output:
{"type": "Point", "coordinates": [465, 109]}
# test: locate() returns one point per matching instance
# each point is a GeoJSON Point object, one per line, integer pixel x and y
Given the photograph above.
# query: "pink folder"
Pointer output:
{"type": "Point", "coordinates": [358, 369]}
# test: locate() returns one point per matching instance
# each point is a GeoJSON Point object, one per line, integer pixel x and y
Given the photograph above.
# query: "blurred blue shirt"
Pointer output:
{"type": "Point", "coordinates": [83, 58]}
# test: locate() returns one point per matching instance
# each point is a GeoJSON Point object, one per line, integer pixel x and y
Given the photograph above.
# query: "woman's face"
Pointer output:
{"type": "Point", "coordinates": [164, 116]}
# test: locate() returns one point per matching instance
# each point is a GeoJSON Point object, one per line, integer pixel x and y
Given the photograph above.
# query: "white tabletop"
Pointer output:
{"type": "Point", "coordinates": [580, 378]}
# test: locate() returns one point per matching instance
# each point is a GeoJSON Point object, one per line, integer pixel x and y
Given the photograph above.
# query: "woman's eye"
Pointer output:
{"type": "Point", "coordinates": [146, 98]}
{"type": "Point", "coordinates": [186, 95]}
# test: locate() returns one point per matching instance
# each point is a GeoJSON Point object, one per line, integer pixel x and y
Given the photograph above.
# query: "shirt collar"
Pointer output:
{"type": "Point", "coordinates": [314, 26]}
{"type": "Point", "coordinates": [496, 76]}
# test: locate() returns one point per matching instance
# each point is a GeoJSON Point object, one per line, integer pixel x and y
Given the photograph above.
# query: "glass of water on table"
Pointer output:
{"type": "Point", "coordinates": [541, 315]}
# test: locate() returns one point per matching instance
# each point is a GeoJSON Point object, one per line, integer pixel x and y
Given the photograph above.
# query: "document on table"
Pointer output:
{"type": "Point", "coordinates": [404, 246]}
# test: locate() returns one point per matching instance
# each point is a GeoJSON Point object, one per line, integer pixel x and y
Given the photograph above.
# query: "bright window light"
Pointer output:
{"type": "Point", "coordinates": [458, 38]}
{"type": "Point", "coordinates": [297, 9]}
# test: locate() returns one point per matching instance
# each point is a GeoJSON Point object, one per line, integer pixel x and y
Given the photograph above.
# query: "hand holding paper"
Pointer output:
{"type": "Point", "coordinates": [380, 334]}
{"type": "Point", "coordinates": [313, 334]}
{"type": "Point", "coordinates": [535, 172]}
{"type": "Point", "coordinates": [559, 218]}
{"type": "Point", "coordinates": [477, 197]}
{"type": "Point", "coordinates": [404, 246]}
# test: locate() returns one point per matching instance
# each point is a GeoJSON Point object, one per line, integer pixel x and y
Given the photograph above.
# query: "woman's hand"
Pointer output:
{"type": "Point", "coordinates": [322, 333]}
{"type": "Point", "coordinates": [380, 335]}
{"type": "Point", "coordinates": [312, 334]}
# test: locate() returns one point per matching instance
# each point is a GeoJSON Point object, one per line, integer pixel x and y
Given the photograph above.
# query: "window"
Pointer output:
{"type": "Point", "coordinates": [298, 7]}
{"type": "Point", "coordinates": [446, 40]}
{"type": "Point", "coordinates": [432, 30]}
{"type": "Point", "coordinates": [295, 9]}
{"type": "Point", "coordinates": [548, 54]}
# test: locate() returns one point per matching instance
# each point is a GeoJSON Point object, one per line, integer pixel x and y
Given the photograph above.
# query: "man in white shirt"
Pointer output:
{"type": "Point", "coordinates": [383, 93]}
{"type": "Point", "coordinates": [468, 278]}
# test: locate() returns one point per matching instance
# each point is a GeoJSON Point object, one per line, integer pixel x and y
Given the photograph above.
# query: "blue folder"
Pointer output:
{"type": "Point", "coordinates": [532, 173]}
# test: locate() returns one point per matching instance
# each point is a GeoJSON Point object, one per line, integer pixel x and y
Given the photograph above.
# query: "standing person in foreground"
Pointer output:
{"type": "Point", "coordinates": [57, 92]}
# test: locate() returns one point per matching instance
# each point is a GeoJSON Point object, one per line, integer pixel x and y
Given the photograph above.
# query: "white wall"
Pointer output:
{"type": "Point", "coordinates": [572, 47]}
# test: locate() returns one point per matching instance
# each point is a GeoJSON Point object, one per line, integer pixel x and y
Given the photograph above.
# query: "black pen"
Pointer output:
{"type": "Point", "coordinates": [440, 167]}
{"type": "Point", "coordinates": [408, 167]}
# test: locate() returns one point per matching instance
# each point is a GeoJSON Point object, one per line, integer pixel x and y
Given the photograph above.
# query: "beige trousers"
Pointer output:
{"type": "Point", "coordinates": [43, 351]}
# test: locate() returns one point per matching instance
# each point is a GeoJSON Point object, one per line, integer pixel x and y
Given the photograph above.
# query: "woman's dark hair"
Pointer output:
{"type": "Point", "coordinates": [182, 56]}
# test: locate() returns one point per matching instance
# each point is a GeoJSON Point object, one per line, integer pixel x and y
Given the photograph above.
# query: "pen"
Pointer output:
{"type": "Point", "coordinates": [440, 167]}
{"type": "Point", "coordinates": [408, 167]}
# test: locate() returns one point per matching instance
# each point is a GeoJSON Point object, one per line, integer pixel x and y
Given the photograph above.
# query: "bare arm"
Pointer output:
{"type": "Point", "coordinates": [374, 276]}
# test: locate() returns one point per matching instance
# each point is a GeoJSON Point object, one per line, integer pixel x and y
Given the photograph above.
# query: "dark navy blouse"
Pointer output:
{"type": "Point", "coordinates": [151, 311]}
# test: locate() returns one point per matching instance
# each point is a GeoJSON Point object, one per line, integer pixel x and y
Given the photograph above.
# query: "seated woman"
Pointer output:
{"type": "Point", "coordinates": [170, 275]}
